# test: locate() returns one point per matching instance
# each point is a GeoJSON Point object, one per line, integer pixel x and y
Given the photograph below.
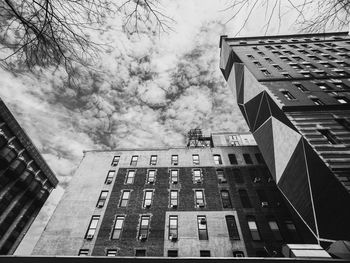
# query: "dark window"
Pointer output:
{"type": "Point", "coordinates": [275, 229]}
{"type": "Point", "coordinates": [140, 252]}
{"type": "Point", "coordinates": [109, 177]}
{"type": "Point", "coordinates": [172, 253]}
{"type": "Point", "coordinates": [286, 75]}
{"type": "Point", "coordinates": [202, 227]}
{"type": "Point", "coordinates": [124, 198]}
{"type": "Point", "coordinates": [134, 159]}
{"type": "Point", "coordinates": [92, 227]}
{"type": "Point", "coordinates": [243, 195]}
{"type": "Point", "coordinates": [263, 198]}
{"type": "Point", "coordinates": [232, 158]}
{"type": "Point", "coordinates": [174, 161]}
{"type": "Point", "coordinates": [262, 254]}
{"type": "Point", "coordinates": [257, 63]}
{"type": "Point", "coordinates": [292, 231]}
{"type": "Point", "coordinates": [144, 225]}
{"type": "Point", "coordinates": [254, 176]}
{"type": "Point", "coordinates": [130, 177]}
{"type": "Point", "coordinates": [232, 227]}
{"type": "Point", "coordinates": [277, 67]}
{"type": "Point", "coordinates": [332, 139]}
{"type": "Point", "coordinates": [205, 253]}
{"type": "Point", "coordinates": [265, 72]}
{"type": "Point", "coordinates": [151, 176]}
{"type": "Point", "coordinates": [118, 226]}
{"type": "Point", "coordinates": [344, 122]}
{"type": "Point", "coordinates": [111, 252]}
{"type": "Point", "coordinates": [238, 254]}
{"type": "Point", "coordinates": [225, 198]}
{"type": "Point", "coordinates": [102, 199]}
{"type": "Point", "coordinates": [174, 198]}
{"type": "Point", "coordinates": [83, 252]}
{"type": "Point", "coordinates": [254, 231]}
{"type": "Point", "coordinates": [221, 176]}
{"type": "Point", "coordinates": [317, 101]}
{"type": "Point", "coordinates": [173, 223]}
{"type": "Point", "coordinates": [288, 95]}
{"type": "Point", "coordinates": [301, 87]}
{"type": "Point", "coordinates": [174, 176]}
{"type": "Point", "coordinates": [250, 57]}
{"type": "Point", "coordinates": [285, 59]}
{"type": "Point", "coordinates": [195, 159]}
{"type": "Point", "coordinates": [238, 176]}
{"type": "Point", "coordinates": [247, 158]}
{"type": "Point", "coordinates": [153, 160]}
{"type": "Point", "coordinates": [217, 159]}
{"type": "Point", "coordinates": [115, 160]}
{"type": "Point", "coordinates": [259, 158]}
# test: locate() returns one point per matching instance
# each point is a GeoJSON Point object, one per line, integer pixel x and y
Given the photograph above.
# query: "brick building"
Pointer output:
{"type": "Point", "coordinates": [214, 197]}
{"type": "Point", "coordinates": [25, 181]}
{"type": "Point", "coordinates": [294, 92]}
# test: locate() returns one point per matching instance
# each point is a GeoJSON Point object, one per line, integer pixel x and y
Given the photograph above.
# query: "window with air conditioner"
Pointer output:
{"type": "Point", "coordinates": [92, 227]}
{"type": "Point", "coordinates": [173, 228]}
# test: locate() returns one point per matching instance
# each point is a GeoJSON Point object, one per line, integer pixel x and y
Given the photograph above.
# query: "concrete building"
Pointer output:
{"type": "Point", "coordinates": [213, 198]}
{"type": "Point", "coordinates": [294, 92]}
{"type": "Point", "coordinates": [25, 181]}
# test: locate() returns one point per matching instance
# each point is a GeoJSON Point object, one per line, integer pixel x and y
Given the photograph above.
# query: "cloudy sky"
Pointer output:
{"type": "Point", "coordinates": [147, 91]}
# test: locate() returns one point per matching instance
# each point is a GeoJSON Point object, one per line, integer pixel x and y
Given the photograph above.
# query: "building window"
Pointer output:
{"type": "Point", "coordinates": [115, 160]}
{"type": "Point", "coordinates": [257, 63]}
{"type": "Point", "coordinates": [243, 195]}
{"type": "Point", "coordinates": [83, 252]}
{"type": "Point", "coordinates": [202, 228]}
{"type": "Point", "coordinates": [110, 176]}
{"type": "Point", "coordinates": [217, 159]}
{"type": "Point", "coordinates": [254, 176]}
{"type": "Point", "coordinates": [263, 198]}
{"type": "Point", "coordinates": [204, 253]}
{"type": "Point", "coordinates": [134, 159]}
{"type": "Point", "coordinates": [265, 72]}
{"type": "Point", "coordinates": [286, 75]}
{"type": "Point", "coordinates": [130, 176]}
{"type": "Point", "coordinates": [232, 158]}
{"type": "Point", "coordinates": [238, 254]}
{"type": "Point", "coordinates": [225, 198]}
{"type": "Point", "coordinates": [173, 228]}
{"type": "Point", "coordinates": [277, 67]}
{"type": "Point", "coordinates": [259, 158]}
{"type": "Point", "coordinates": [292, 231]}
{"type": "Point", "coordinates": [197, 176]}
{"type": "Point", "coordinates": [288, 95]}
{"type": "Point", "coordinates": [144, 226]}
{"type": "Point", "coordinates": [238, 176]}
{"type": "Point", "coordinates": [111, 252]}
{"type": "Point", "coordinates": [151, 176]}
{"type": "Point", "coordinates": [233, 140]}
{"type": "Point", "coordinates": [324, 86]}
{"type": "Point", "coordinates": [102, 199]}
{"type": "Point", "coordinates": [221, 176]}
{"type": "Point", "coordinates": [199, 198]}
{"type": "Point", "coordinates": [332, 139]}
{"type": "Point", "coordinates": [317, 101]}
{"type": "Point", "coordinates": [118, 226]}
{"type": "Point", "coordinates": [285, 59]}
{"type": "Point", "coordinates": [253, 229]}
{"type": "Point", "coordinates": [147, 199]}
{"type": "Point", "coordinates": [140, 252]}
{"type": "Point", "coordinates": [344, 122]}
{"type": "Point", "coordinates": [251, 57]}
{"type": "Point", "coordinates": [92, 227]}
{"type": "Point", "coordinates": [247, 158]}
{"type": "Point", "coordinates": [275, 229]}
{"type": "Point", "coordinates": [124, 198]}
{"type": "Point", "coordinates": [195, 159]}
{"type": "Point", "coordinates": [174, 194]}
{"type": "Point", "coordinates": [301, 87]}
{"type": "Point", "coordinates": [172, 253]}
{"type": "Point", "coordinates": [174, 160]}
{"type": "Point", "coordinates": [174, 176]}
{"type": "Point", "coordinates": [153, 160]}
{"type": "Point", "coordinates": [232, 228]}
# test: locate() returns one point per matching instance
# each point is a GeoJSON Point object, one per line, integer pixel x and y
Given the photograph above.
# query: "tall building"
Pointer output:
{"type": "Point", "coordinates": [214, 197]}
{"type": "Point", "coordinates": [25, 181]}
{"type": "Point", "coordinates": [294, 92]}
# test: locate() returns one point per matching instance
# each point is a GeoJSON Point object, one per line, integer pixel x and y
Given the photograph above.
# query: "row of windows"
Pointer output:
{"type": "Point", "coordinates": [202, 228]}
{"type": "Point", "coordinates": [315, 100]}
{"type": "Point", "coordinates": [195, 159]}
{"type": "Point", "coordinates": [197, 176]}
{"type": "Point", "coordinates": [171, 253]}
{"type": "Point", "coordinates": [199, 198]}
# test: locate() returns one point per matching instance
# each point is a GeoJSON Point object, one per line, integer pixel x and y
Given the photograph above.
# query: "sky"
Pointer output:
{"type": "Point", "coordinates": [146, 91]}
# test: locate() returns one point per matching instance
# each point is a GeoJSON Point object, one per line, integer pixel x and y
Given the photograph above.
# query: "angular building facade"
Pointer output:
{"type": "Point", "coordinates": [294, 92]}
{"type": "Point", "coordinates": [213, 198]}
{"type": "Point", "coordinates": [25, 181]}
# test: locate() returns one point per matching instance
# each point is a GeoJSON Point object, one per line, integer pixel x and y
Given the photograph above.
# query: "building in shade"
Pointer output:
{"type": "Point", "coordinates": [294, 92]}
{"type": "Point", "coordinates": [25, 181]}
{"type": "Point", "coordinates": [214, 198]}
